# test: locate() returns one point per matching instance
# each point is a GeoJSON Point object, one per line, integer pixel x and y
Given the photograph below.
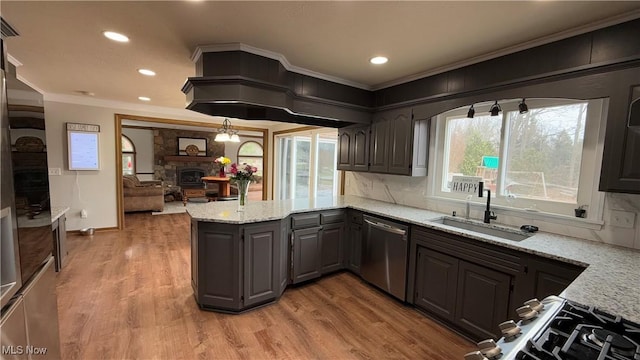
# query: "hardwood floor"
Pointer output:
{"type": "Point", "coordinates": [127, 295]}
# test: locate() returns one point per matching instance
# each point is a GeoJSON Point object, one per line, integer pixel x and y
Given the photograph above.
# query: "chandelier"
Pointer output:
{"type": "Point", "coordinates": [226, 133]}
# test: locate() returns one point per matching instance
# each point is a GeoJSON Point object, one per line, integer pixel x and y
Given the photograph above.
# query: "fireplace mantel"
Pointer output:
{"type": "Point", "coordinates": [186, 158]}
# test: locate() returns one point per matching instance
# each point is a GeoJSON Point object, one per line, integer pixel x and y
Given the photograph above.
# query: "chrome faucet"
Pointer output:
{"type": "Point", "coordinates": [488, 214]}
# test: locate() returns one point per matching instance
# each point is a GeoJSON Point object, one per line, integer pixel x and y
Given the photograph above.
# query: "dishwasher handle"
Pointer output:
{"type": "Point", "coordinates": [388, 228]}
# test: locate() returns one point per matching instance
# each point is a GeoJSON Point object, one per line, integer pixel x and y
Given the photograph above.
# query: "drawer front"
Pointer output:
{"type": "Point", "coordinates": [332, 217]}
{"type": "Point", "coordinates": [301, 221]}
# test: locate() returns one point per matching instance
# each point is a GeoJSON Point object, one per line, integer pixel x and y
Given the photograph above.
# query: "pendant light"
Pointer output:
{"type": "Point", "coordinates": [226, 133]}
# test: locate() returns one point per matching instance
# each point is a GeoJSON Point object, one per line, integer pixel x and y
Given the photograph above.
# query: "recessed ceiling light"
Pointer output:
{"type": "Point", "coordinates": [147, 72]}
{"type": "Point", "coordinates": [144, 98]}
{"type": "Point", "coordinates": [378, 60]}
{"type": "Point", "coordinates": [115, 36]}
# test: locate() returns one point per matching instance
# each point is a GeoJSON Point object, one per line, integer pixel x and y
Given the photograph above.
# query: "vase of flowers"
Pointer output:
{"type": "Point", "coordinates": [222, 161]}
{"type": "Point", "coordinates": [242, 175]}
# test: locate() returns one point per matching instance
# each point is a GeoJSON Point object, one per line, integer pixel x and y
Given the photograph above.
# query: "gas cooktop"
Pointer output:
{"type": "Point", "coordinates": [578, 332]}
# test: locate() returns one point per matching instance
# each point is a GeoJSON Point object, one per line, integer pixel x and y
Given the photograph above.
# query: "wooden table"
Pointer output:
{"type": "Point", "coordinates": [223, 184]}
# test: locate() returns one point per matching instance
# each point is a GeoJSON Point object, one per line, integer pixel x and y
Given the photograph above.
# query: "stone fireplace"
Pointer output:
{"type": "Point", "coordinates": [168, 162]}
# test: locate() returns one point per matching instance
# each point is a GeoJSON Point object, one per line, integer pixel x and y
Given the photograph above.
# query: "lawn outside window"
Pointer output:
{"type": "Point", "coordinates": [546, 159]}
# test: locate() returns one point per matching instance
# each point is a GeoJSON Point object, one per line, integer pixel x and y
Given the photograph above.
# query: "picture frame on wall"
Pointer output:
{"type": "Point", "coordinates": [192, 146]}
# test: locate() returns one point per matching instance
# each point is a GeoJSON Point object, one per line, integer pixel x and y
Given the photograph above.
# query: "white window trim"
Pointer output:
{"type": "Point", "coordinates": [314, 146]}
{"type": "Point", "coordinates": [590, 170]}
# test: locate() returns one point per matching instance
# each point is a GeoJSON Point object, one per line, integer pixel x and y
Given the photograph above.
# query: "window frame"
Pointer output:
{"type": "Point", "coordinates": [589, 174]}
{"type": "Point", "coordinates": [133, 153]}
{"type": "Point", "coordinates": [313, 136]}
{"type": "Point", "coordinates": [261, 157]}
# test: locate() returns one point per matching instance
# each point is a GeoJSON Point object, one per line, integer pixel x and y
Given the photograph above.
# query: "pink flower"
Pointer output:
{"type": "Point", "coordinates": [254, 169]}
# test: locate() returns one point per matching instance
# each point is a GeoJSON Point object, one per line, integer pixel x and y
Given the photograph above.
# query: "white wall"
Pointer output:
{"type": "Point", "coordinates": [143, 141]}
{"type": "Point", "coordinates": [95, 191]}
{"type": "Point", "coordinates": [412, 191]}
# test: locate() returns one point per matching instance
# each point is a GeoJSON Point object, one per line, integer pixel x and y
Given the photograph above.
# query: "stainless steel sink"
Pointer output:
{"type": "Point", "coordinates": [493, 230]}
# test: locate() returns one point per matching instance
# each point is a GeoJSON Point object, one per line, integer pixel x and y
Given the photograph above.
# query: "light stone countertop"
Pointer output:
{"type": "Point", "coordinates": [611, 281]}
{"type": "Point", "coordinates": [57, 211]}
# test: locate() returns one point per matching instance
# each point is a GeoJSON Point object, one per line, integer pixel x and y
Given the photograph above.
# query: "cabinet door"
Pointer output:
{"type": "Point", "coordinates": [306, 254]}
{"type": "Point", "coordinates": [621, 163]}
{"type": "Point", "coordinates": [219, 251]}
{"type": "Point", "coordinates": [261, 268]}
{"type": "Point", "coordinates": [354, 248]}
{"type": "Point", "coordinates": [436, 282]}
{"type": "Point", "coordinates": [331, 245]}
{"type": "Point", "coordinates": [360, 149]}
{"type": "Point", "coordinates": [345, 149]}
{"type": "Point", "coordinates": [378, 150]}
{"type": "Point", "coordinates": [400, 143]}
{"type": "Point", "coordinates": [551, 277]}
{"type": "Point", "coordinates": [482, 300]}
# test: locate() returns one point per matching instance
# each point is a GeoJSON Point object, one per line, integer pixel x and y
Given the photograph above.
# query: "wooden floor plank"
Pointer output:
{"type": "Point", "coordinates": [127, 295]}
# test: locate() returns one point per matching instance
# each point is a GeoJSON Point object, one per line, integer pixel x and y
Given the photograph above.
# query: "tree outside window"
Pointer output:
{"type": "Point", "coordinates": [251, 153]}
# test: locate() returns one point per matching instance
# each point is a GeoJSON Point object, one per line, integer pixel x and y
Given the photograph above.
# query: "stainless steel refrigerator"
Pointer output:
{"type": "Point", "coordinates": [29, 312]}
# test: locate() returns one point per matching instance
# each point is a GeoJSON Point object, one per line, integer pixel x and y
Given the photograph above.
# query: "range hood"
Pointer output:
{"type": "Point", "coordinates": [241, 84]}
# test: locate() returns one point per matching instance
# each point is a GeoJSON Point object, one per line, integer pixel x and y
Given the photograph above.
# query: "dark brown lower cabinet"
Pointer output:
{"type": "Point", "coordinates": [332, 247]}
{"type": "Point", "coordinates": [235, 267]}
{"type": "Point", "coordinates": [482, 300]}
{"type": "Point", "coordinates": [261, 268]}
{"type": "Point", "coordinates": [317, 244]}
{"type": "Point", "coordinates": [470, 296]}
{"type": "Point", "coordinates": [305, 253]}
{"type": "Point", "coordinates": [436, 282]}
{"type": "Point", "coordinates": [549, 277]}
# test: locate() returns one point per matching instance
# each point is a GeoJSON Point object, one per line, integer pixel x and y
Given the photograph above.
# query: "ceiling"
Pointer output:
{"type": "Point", "coordinates": [62, 50]}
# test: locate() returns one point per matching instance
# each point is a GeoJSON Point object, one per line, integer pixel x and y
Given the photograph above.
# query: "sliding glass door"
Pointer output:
{"type": "Point", "coordinates": [306, 165]}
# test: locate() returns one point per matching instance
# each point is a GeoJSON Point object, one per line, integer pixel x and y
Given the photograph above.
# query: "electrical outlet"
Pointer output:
{"type": "Point", "coordinates": [55, 171]}
{"type": "Point", "coordinates": [83, 213]}
{"type": "Point", "coordinates": [624, 219]}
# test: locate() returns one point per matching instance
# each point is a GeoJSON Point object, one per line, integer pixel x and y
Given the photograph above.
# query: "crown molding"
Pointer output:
{"type": "Point", "coordinates": [13, 60]}
{"type": "Point", "coordinates": [275, 56]}
{"type": "Point", "coordinates": [600, 24]}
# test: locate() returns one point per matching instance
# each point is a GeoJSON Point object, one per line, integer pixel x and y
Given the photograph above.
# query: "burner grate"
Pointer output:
{"type": "Point", "coordinates": [580, 332]}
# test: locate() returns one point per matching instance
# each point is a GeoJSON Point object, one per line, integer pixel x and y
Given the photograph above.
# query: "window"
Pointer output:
{"type": "Point", "coordinates": [128, 156]}
{"type": "Point", "coordinates": [536, 160]}
{"type": "Point", "coordinates": [306, 165]}
{"type": "Point", "coordinates": [250, 153]}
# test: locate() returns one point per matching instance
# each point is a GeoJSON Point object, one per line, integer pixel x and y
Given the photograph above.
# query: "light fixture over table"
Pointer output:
{"type": "Point", "coordinates": [226, 133]}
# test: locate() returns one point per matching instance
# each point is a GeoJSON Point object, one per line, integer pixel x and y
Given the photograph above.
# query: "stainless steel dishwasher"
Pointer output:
{"type": "Point", "coordinates": [384, 255]}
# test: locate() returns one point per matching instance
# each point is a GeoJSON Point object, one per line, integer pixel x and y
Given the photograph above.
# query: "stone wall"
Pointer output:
{"type": "Point", "coordinates": [165, 143]}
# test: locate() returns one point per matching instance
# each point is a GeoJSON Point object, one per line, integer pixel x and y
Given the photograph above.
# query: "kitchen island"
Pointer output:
{"type": "Point", "coordinates": [611, 280]}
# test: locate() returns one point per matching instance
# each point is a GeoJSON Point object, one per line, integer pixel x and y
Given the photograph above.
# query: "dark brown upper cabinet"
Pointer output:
{"type": "Point", "coordinates": [621, 163]}
{"type": "Point", "coordinates": [353, 148]}
{"type": "Point", "coordinates": [395, 143]}
{"type": "Point", "coordinates": [399, 143]}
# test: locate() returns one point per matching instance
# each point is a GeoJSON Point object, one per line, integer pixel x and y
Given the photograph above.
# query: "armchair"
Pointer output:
{"type": "Point", "coordinates": [142, 195]}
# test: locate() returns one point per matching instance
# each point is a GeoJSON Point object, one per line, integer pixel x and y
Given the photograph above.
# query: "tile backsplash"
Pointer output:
{"type": "Point", "coordinates": [412, 191]}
